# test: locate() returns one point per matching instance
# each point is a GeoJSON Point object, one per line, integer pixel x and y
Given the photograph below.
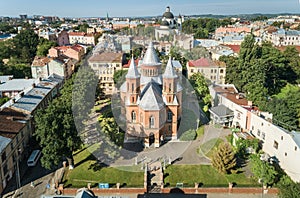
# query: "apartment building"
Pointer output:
{"type": "Point", "coordinates": [105, 64]}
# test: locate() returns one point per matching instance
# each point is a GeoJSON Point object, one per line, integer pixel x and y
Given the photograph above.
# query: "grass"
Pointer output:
{"type": "Point", "coordinates": [87, 170]}
{"type": "Point", "coordinates": [206, 175]}
{"type": "Point", "coordinates": [209, 147]}
{"type": "Point", "coordinates": [200, 131]}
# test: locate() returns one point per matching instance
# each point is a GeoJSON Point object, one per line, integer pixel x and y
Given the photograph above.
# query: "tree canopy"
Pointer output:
{"type": "Point", "coordinates": [56, 131]}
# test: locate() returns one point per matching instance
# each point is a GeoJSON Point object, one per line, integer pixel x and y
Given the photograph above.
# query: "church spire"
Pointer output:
{"type": "Point", "coordinates": [169, 72]}
{"type": "Point", "coordinates": [132, 71]}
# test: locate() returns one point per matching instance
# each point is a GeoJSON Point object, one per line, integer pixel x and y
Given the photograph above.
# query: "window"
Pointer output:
{"type": "Point", "coordinates": [295, 148]}
{"type": "Point", "coordinates": [221, 71]}
{"type": "Point", "coordinates": [151, 120]}
{"type": "Point", "coordinates": [263, 135]}
{"type": "Point", "coordinates": [211, 71]}
{"type": "Point", "coordinates": [258, 132]}
{"type": "Point", "coordinates": [285, 154]}
{"type": "Point", "coordinates": [12, 146]}
{"type": "Point", "coordinates": [192, 71]}
{"type": "Point", "coordinates": [170, 85]}
{"type": "Point", "coordinates": [170, 114]}
{"type": "Point", "coordinates": [281, 137]}
{"type": "Point", "coordinates": [275, 145]}
{"type": "Point", "coordinates": [133, 116]}
{"type": "Point", "coordinates": [3, 157]}
{"type": "Point", "coordinates": [132, 87]}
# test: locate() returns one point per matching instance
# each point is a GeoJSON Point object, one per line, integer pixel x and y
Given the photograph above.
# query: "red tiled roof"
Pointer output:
{"type": "Point", "coordinates": [129, 62]}
{"type": "Point", "coordinates": [235, 48]}
{"type": "Point", "coordinates": [77, 33]}
{"type": "Point", "coordinates": [202, 62]}
{"type": "Point", "coordinates": [282, 48]}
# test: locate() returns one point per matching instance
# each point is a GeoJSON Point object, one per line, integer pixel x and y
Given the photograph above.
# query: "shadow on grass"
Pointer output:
{"type": "Point", "coordinates": [90, 157]}
{"type": "Point", "coordinates": [97, 166]}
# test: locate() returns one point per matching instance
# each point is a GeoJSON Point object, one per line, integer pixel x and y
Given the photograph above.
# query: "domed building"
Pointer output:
{"type": "Point", "coordinates": [168, 25]}
{"type": "Point", "coordinates": [152, 101]}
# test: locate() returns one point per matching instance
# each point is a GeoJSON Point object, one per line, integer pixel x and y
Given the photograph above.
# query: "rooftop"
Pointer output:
{"type": "Point", "coordinates": [106, 57]}
{"type": "Point", "coordinates": [11, 122]}
{"type": "Point", "coordinates": [201, 62]}
{"type": "Point", "coordinates": [17, 85]}
{"type": "Point", "coordinates": [32, 98]}
{"type": "Point", "coordinates": [3, 79]}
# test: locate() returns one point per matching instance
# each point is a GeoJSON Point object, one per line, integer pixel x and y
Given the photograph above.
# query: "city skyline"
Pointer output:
{"type": "Point", "coordinates": [132, 8]}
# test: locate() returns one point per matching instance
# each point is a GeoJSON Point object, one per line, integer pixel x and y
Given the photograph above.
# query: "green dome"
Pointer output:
{"type": "Point", "coordinates": [164, 23]}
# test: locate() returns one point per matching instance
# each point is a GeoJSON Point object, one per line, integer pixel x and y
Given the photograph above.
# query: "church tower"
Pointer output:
{"type": "Point", "coordinates": [169, 92]}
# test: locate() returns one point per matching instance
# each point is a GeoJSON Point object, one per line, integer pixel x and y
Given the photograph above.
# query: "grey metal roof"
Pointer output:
{"type": "Point", "coordinates": [151, 97]}
{"type": "Point", "coordinates": [4, 142]}
{"type": "Point", "coordinates": [32, 98]}
{"type": "Point", "coordinates": [176, 64]}
{"type": "Point", "coordinates": [123, 87]}
{"type": "Point", "coordinates": [170, 72]}
{"type": "Point", "coordinates": [151, 57]}
{"type": "Point", "coordinates": [132, 71]}
{"type": "Point", "coordinates": [147, 79]}
{"type": "Point", "coordinates": [17, 84]}
{"type": "Point", "coordinates": [4, 79]}
{"type": "Point", "coordinates": [179, 87]}
{"type": "Point", "coordinates": [221, 111]}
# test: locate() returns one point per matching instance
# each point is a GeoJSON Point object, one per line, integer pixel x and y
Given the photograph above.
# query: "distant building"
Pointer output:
{"type": "Point", "coordinates": [282, 37]}
{"type": "Point", "coordinates": [105, 64]}
{"type": "Point", "coordinates": [81, 38]}
{"type": "Point", "coordinates": [152, 101]}
{"type": "Point", "coordinates": [63, 38]}
{"type": "Point", "coordinates": [75, 52]}
{"type": "Point", "coordinates": [215, 71]}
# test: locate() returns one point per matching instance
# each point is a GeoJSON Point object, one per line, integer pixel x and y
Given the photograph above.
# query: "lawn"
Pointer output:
{"type": "Point", "coordinates": [209, 147]}
{"type": "Point", "coordinates": [87, 170]}
{"type": "Point", "coordinates": [206, 175]}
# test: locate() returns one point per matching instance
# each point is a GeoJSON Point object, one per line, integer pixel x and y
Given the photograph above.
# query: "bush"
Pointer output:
{"type": "Point", "coordinates": [188, 135]}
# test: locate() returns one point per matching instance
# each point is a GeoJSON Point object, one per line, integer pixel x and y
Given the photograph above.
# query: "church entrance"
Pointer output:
{"type": "Point", "coordinates": [151, 139]}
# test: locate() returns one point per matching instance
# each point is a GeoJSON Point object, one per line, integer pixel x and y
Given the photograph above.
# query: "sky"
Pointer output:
{"type": "Point", "coordinates": [131, 8]}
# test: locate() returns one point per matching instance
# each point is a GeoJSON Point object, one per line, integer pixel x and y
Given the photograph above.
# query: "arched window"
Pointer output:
{"type": "Point", "coordinates": [132, 87]}
{"type": "Point", "coordinates": [151, 121]}
{"type": "Point", "coordinates": [170, 87]}
{"type": "Point", "coordinates": [170, 115]}
{"type": "Point", "coordinates": [133, 116]}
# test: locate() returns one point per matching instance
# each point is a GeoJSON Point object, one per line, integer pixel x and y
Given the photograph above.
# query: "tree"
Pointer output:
{"type": "Point", "coordinates": [224, 159]}
{"type": "Point", "coordinates": [27, 41]}
{"type": "Point", "coordinates": [263, 170]}
{"type": "Point", "coordinates": [119, 77]}
{"type": "Point", "coordinates": [288, 188]}
{"type": "Point", "coordinates": [83, 94]}
{"type": "Point", "coordinates": [199, 83]}
{"type": "Point", "coordinates": [56, 131]}
{"type": "Point", "coordinates": [44, 46]}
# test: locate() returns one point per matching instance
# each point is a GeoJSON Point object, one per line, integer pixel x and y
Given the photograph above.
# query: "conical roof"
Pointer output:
{"type": "Point", "coordinates": [170, 72]}
{"type": "Point", "coordinates": [151, 57]}
{"type": "Point", "coordinates": [132, 71]}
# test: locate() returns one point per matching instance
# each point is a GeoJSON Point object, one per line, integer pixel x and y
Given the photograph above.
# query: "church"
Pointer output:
{"type": "Point", "coordinates": [152, 101]}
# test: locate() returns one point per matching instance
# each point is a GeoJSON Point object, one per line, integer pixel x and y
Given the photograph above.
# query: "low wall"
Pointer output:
{"type": "Point", "coordinates": [72, 191]}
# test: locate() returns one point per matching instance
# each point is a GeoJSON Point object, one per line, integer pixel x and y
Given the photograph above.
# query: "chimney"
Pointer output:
{"type": "Point", "coordinates": [237, 96]}
{"type": "Point", "coordinates": [13, 101]}
{"type": "Point", "coordinates": [21, 93]}
{"type": "Point", "coordinates": [33, 85]}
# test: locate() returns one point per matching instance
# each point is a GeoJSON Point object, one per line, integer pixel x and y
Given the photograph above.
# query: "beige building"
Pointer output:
{"type": "Point", "coordinates": [82, 38]}
{"type": "Point", "coordinates": [214, 71]}
{"type": "Point", "coordinates": [105, 64]}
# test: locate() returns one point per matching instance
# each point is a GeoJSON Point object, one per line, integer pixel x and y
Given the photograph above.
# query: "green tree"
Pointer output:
{"type": "Point", "coordinates": [56, 130]}
{"type": "Point", "coordinates": [288, 188]}
{"type": "Point", "coordinates": [119, 77]}
{"type": "Point", "coordinates": [262, 170]}
{"type": "Point", "coordinates": [224, 159]}
{"type": "Point", "coordinates": [44, 46]}
{"type": "Point", "coordinates": [200, 85]}
{"type": "Point", "coordinates": [83, 94]}
{"type": "Point", "coordinates": [25, 44]}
